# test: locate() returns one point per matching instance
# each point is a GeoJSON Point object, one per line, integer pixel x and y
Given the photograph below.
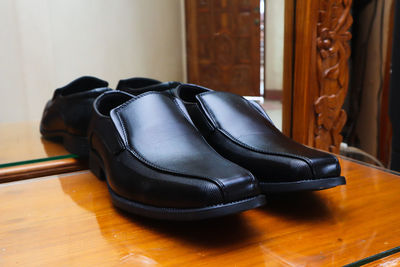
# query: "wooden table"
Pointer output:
{"type": "Point", "coordinates": [25, 154]}
{"type": "Point", "coordinates": [68, 220]}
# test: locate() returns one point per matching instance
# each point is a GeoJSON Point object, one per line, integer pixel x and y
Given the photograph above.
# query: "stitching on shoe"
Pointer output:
{"type": "Point", "coordinates": [256, 109]}
{"type": "Point", "coordinates": [307, 161]}
{"type": "Point", "coordinates": [173, 172]}
{"type": "Point", "coordinates": [136, 98]}
{"type": "Point", "coordinates": [175, 100]}
{"type": "Point", "coordinates": [206, 107]}
{"type": "Point", "coordinates": [119, 109]}
{"type": "Point", "coordinates": [140, 157]}
{"type": "Point", "coordinates": [123, 129]}
{"type": "Point", "coordinates": [241, 98]}
{"type": "Point", "coordinates": [203, 103]}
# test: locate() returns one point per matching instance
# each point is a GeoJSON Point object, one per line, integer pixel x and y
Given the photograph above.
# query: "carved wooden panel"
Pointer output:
{"type": "Point", "coordinates": [318, 87]}
{"type": "Point", "coordinates": [333, 52]}
{"type": "Point", "coordinates": [223, 44]}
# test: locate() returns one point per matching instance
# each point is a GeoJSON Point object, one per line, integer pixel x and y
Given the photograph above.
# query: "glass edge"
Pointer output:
{"type": "Point", "coordinates": [375, 257]}
{"type": "Point", "coordinates": [17, 163]}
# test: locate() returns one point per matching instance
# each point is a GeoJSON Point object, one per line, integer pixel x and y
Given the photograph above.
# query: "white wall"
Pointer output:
{"type": "Point", "coordinates": [47, 43]}
{"type": "Point", "coordinates": [274, 34]}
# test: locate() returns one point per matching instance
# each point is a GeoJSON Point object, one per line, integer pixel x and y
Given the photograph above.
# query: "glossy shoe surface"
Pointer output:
{"type": "Point", "coordinates": [158, 165]}
{"type": "Point", "coordinates": [66, 116]}
{"type": "Point", "coordinates": [242, 132]}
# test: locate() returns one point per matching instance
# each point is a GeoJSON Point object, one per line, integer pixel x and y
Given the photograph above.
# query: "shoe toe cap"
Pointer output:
{"type": "Point", "coordinates": [326, 166]}
{"type": "Point", "coordinates": [239, 187]}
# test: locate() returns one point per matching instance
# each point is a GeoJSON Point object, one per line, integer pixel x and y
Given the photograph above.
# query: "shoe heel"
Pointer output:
{"type": "Point", "coordinates": [96, 165]}
{"type": "Point", "coordinates": [76, 145]}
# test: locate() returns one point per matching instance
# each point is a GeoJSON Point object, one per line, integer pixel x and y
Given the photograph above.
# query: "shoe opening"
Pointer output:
{"type": "Point", "coordinates": [136, 82]}
{"type": "Point", "coordinates": [188, 92]}
{"type": "Point", "coordinates": [81, 84]}
{"type": "Point", "coordinates": [108, 101]}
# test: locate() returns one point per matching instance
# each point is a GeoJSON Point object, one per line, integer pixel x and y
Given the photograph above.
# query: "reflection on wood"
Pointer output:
{"type": "Point", "coordinates": [69, 220]}
{"type": "Point", "coordinates": [22, 141]}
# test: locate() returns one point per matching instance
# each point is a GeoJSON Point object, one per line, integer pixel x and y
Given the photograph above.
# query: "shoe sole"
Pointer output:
{"type": "Point", "coordinates": [74, 144]}
{"type": "Point", "coordinates": [186, 214]}
{"type": "Point", "coordinates": [173, 214]}
{"type": "Point", "coordinates": [305, 185]}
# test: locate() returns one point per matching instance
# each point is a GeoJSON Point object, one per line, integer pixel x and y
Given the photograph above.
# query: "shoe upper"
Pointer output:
{"type": "Point", "coordinates": [153, 154]}
{"type": "Point", "coordinates": [242, 132]}
{"type": "Point", "coordinates": [70, 108]}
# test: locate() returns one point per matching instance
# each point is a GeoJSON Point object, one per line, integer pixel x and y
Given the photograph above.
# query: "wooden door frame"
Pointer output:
{"type": "Point", "coordinates": [316, 71]}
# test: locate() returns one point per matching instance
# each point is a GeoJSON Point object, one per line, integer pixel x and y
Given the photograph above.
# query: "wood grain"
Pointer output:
{"type": "Point", "coordinates": [22, 141]}
{"type": "Point", "coordinates": [304, 71]}
{"type": "Point", "coordinates": [288, 67]}
{"type": "Point", "coordinates": [68, 220]}
{"type": "Point", "coordinates": [385, 126]}
{"type": "Point", "coordinates": [333, 52]}
{"type": "Point", "coordinates": [223, 45]}
{"type": "Point", "coordinates": [320, 76]}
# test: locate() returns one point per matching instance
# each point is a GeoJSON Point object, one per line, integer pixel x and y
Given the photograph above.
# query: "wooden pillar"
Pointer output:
{"type": "Point", "coordinates": [320, 72]}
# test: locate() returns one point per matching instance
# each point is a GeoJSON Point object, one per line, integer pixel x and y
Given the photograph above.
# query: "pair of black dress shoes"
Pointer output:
{"type": "Point", "coordinates": [181, 151]}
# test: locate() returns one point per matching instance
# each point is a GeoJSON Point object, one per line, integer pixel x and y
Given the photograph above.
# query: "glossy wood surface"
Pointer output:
{"type": "Point", "coordinates": [389, 261]}
{"type": "Point", "coordinates": [22, 141]}
{"type": "Point", "coordinates": [68, 220]}
{"type": "Point", "coordinates": [25, 154]}
{"type": "Point", "coordinates": [40, 169]}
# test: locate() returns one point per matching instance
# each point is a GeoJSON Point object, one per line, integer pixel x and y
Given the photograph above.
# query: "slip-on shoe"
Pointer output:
{"type": "Point", "coordinates": [158, 165]}
{"type": "Point", "coordinates": [66, 116]}
{"type": "Point", "coordinates": [241, 131]}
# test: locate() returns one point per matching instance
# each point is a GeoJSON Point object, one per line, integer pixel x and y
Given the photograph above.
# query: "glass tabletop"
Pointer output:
{"type": "Point", "coordinates": [21, 143]}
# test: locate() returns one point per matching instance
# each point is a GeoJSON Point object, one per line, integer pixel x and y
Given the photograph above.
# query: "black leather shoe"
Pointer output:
{"type": "Point", "coordinates": [66, 116]}
{"type": "Point", "coordinates": [139, 85]}
{"type": "Point", "coordinates": [242, 132]}
{"type": "Point", "coordinates": [158, 165]}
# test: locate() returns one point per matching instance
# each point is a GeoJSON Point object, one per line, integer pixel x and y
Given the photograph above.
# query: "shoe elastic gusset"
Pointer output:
{"type": "Point", "coordinates": [158, 165]}
{"type": "Point", "coordinates": [241, 131]}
